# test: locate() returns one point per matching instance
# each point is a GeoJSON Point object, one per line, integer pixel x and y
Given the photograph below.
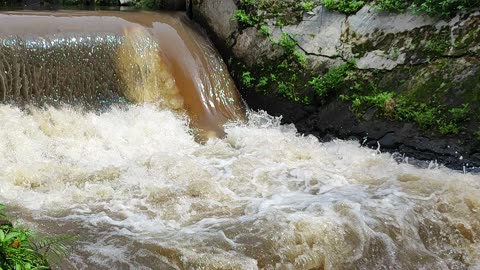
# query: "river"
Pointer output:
{"type": "Point", "coordinates": [141, 191]}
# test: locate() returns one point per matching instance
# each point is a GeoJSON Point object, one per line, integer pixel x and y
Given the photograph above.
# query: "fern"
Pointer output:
{"type": "Point", "coordinates": [58, 246]}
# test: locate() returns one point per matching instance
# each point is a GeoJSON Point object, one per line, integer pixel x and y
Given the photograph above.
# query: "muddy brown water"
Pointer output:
{"type": "Point", "coordinates": [96, 58]}
{"type": "Point", "coordinates": [132, 181]}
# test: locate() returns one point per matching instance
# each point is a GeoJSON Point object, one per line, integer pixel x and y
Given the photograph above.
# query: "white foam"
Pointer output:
{"type": "Point", "coordinates": [135, 179]}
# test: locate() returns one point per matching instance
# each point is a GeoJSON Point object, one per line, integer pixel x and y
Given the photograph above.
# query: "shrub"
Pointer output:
{"type": "Point", "coordinates": [344, 6]}
{"type": "Point", "coordinates": [21, 250]}
{"type": "Point", "coordinates": [331, 80]}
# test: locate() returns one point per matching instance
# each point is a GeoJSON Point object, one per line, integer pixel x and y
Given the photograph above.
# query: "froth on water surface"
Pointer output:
{"type": "Point", "coordinates": [142, 194]}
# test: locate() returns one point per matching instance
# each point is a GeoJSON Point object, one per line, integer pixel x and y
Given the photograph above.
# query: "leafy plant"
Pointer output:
{"type": "Point", "coordinates": [425, 116]}
{"type": "Point", "coordinates": [330, 80]}
{"type": "Point", "coordinates": [287, 42]}
{"type": "Point", "coordinates": [15, 253]}
{"type": "Point", "coordinates": [247, 79]}
{"type": "Point", "coordinates": [242, 17]}
{"type": "Point", "coordinates": [308, 5]}
{"type": "Point", "coordinates": [263, 81]}
{"type": "Point", "coordinates": [344, 6]}
{"type": "Point", "coordinates": [20, 250]}
{"type": "Point", "coordinates": [265, 30]}
{"type": "Point", "coordinates": [437, 46]}
{"type": "Point", "coordinates": [54, 247]}
{"type": "Point", "coordinates": [300, 58]}
{"type": "Point", "coordinates": [460, 114]}
{"type": "Point", "coordinates": [448, 128]}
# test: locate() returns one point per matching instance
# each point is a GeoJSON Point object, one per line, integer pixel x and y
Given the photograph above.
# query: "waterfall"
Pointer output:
{"type": "Point", "coordinates": [110, 130]}
{"type": "Point", "coordinates": [95, 59]}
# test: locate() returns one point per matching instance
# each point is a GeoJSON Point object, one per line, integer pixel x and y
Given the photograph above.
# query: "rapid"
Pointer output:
{"type": "Point", "coordinates": [141, 191]}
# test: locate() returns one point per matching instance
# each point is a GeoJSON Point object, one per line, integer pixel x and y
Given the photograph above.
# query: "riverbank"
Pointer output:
{"type": "Point", "coordinates": [407, 82]}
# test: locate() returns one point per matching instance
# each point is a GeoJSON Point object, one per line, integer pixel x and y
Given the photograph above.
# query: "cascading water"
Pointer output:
{"type": "Point", "coordinates": [142, 193]}
{"type": "Point", "coordinates": [96, 59]}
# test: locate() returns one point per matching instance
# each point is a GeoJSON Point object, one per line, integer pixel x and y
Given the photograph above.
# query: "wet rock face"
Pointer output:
{"type": "Point", "coordinates": [376, 40]}
{"type": "Point", "coordinates": [217, 15]}
{"type": "Point", "coordinates": [420, 57]}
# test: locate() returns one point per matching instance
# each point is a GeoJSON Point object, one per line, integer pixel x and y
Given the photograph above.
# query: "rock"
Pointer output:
{"type": "Point", "coordinates": [418, 56]}
{"type": "Point", "coordinates": [217, 16]}
{"type": "Point", "coordinates": [126, 2]}
{"type": "Point", "coordinates": [370, 23]}
{"type": "Point", "coordinates": [4, 222]}
{"type": "Point", "coordinates": [255, 48]}
{"type": "Point", "coordinates": [320, 34]}
{"type": "Point", "coordinates": [378, 60]}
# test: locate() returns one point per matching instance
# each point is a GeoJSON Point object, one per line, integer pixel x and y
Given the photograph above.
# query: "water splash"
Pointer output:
{"type": "Point", "coordinates": [143, 194]}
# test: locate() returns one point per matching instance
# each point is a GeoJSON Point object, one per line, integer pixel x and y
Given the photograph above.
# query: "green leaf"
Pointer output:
{"type": "Point", "coordinates": [11, 235]}
{"type": "Point", "coordinates": [2, 235]}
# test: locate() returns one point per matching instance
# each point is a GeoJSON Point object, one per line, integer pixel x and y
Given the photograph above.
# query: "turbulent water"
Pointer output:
{"type": "Point", "coordinates": [140, 191]}
{"type": "Point", "coordinates": [143, 194]}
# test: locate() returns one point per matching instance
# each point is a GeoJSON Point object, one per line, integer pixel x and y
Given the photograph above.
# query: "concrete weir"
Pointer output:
{"type": "Point", "coordinates": [99, 58]}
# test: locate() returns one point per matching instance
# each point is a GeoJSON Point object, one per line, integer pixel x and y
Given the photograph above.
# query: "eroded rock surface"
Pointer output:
{"type": "Point", "coordinates": [420, 57]}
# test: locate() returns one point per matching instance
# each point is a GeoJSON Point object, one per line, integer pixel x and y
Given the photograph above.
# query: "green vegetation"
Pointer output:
{"type": "Point", "coordinates": [21, 250]}
{"type": "Point", "coordinates": [391, 5]}
{"type": "Point", "coordinates": [330, 81]}
{"type": "Point", "coordinates": [247, 79]}
{"type": "Point", "coordinates": [287, 74]}
{"type": "Point", "coordinates": [435, 8]}
{"type": "Point", "coordinates": [245, 19]}
{"type": "Point", "coordinates": [344, 6]}
{"type": "Point", "coordinates": [301, 58]}
{"type": "Point", "coordinates": [437, 46]}
{"type": "Point", "coordinates": [308, 5]}
{"type": "Point", "coordinates": [255, 13]}
{"type": "Point", "coordinates": [287, 42]}
{"type": "Point", "coordinates": [460, 114]}
{"type": "Point", "coordinates": [265, 30]}
{"type": "Point", "coordinates": [428, 116]}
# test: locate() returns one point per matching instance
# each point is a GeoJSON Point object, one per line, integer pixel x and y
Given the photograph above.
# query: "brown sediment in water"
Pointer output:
{"type": "Point", "coordinates": [99, 58]}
